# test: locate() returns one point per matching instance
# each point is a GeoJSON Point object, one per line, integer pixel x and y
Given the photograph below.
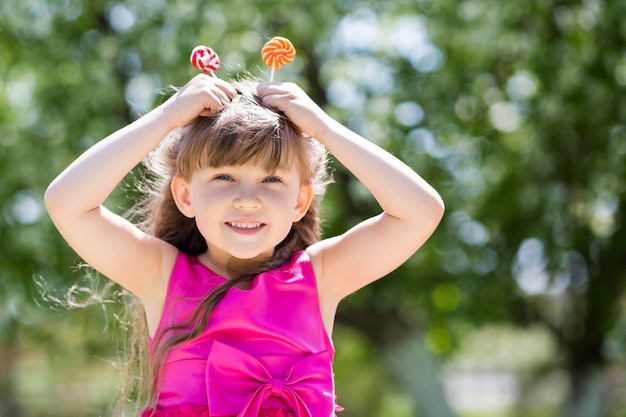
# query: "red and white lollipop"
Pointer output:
{"type": "Point", "coordinates": [205, 59]}
{"type": "Point", "coordinates": [277, 52]}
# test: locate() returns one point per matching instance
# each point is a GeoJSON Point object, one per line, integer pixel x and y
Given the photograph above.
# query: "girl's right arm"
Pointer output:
{"type": "Point", "coordinates": [106, 241]}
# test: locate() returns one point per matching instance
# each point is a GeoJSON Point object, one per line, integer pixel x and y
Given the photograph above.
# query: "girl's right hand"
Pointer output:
{"type": "Point", "coordinates": [201, 96]}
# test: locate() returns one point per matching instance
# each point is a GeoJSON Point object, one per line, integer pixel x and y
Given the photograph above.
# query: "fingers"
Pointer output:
{"type": "Point", "coordinates": [216, 99]}
{"type": "Point", "coordinates": [278, 95]}
{"type": "Point", "coordinates": [294, 103]}
{"type": "Point", "coordinates": [204, 81]}
{"type": "Point", "coordinates": [201, 96]}
{"type": "Point", "coordinates": [225, 91]}
{"type": "Point", "coordinates": [213, 93]}
{"type": "Point", "coordinates": [275, 88]}
{"type": "Point", "coordinates": [219, 91]}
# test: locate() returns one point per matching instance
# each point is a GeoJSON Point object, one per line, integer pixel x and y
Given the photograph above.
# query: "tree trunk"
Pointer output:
{"type": "Point", "coordinates": [587, 395]}
{"type": "Point", "coordinates": [413, 368]}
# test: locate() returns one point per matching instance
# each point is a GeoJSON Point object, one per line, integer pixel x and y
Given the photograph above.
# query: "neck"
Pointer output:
{"type": "Point", "coordinates": [231, 267]}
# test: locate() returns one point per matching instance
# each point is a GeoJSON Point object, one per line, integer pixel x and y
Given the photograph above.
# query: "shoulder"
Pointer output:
{"type": "Point", "coordinates": [155, 293]}
{"type": "Point", "coordinates": [297, 268]}
{"type": "Point", "coordinates": [188, 271]}
{"type": "Point", "coordinates": [326, 282]}
{"type": "Point", "coordinates": [180, 274]}
{"type": "Point", "coordinates": [184, 277]}
{"type": "Point", "coordinates": [315, 259]}
{"type": "Point", "coordinates": [315, 255]}
{"type": "Point", "coordinates": [299, 260]}
{"type": "Point", "coordinates": [326, 291]}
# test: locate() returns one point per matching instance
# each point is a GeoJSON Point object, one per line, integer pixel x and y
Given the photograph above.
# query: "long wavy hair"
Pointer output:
{"type": "Point", "coordinates": [243, 132]}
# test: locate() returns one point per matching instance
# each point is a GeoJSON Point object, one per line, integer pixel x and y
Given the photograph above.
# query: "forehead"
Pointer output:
{"type": "Point", "coordinates": [270, 153]}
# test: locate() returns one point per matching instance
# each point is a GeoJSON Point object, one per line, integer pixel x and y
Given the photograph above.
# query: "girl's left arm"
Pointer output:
{"type": "Point", "coordinates": [412, 208]}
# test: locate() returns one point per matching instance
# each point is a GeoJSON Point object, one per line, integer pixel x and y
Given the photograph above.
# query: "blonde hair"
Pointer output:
{"type": "Point", "coordinates": [243, 132]}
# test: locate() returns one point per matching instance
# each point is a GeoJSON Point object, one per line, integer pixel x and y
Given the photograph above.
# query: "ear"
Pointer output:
{"type": "Point", "coordinates": [182, 196]}
{"type": "Point", "coordinates": [305, 196]}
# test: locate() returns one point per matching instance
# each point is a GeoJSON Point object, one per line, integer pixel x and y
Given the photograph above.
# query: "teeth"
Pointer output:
{"type": "Point", "coordinates": [245, 225]}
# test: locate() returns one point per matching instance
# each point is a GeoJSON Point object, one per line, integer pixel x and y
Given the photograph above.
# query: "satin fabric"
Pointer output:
{"type": "Point", "coordinates": [195, 411]}
{"type": "Point", "coordinates": [265, 349]}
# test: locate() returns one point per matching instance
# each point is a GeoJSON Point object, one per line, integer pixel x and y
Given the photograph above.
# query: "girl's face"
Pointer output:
{"type": "Point", "coordinates": [243, 211]}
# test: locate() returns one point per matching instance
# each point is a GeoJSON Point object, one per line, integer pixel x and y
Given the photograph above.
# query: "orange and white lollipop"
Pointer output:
{"type": "Point", "coordinates": [277, 52]}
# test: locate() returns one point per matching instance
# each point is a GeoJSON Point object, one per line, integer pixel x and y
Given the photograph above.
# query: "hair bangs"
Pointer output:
{"type": "Point", "coordinates": [243, 132]}
{"type": "Point", "coordinates": [269, 146]}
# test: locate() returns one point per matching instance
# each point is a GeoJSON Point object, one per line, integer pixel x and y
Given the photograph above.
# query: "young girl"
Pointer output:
{"type": "Point", "coordinates": [238, 290]}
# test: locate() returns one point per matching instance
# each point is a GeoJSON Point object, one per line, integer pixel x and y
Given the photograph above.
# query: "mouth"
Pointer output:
{"type": "Point", "coordinates": [245, 227]}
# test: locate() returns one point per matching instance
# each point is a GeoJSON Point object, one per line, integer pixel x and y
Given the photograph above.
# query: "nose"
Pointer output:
{"type": "Point", "coordinates": [247, 198]}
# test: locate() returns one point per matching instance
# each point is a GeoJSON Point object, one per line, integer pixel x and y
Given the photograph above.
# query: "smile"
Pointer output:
{"type": "Point", "coordinates": [246, 226]}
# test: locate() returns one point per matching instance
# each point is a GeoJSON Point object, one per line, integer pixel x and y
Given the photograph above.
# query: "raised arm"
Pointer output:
{"type": "Point", "coordinates": [412, 209]}
{"type": "Point", "coordinates": [107, 242]}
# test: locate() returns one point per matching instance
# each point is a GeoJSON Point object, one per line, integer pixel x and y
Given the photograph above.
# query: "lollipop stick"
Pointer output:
{"type": "Point", "coordinates": [272, 75]}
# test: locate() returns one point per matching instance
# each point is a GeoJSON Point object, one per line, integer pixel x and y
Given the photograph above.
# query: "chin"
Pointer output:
{"type": "Point", "coordinates": [252, 255]}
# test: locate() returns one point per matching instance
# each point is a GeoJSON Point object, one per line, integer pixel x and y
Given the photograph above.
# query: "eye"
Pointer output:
{"type": "Point", "coordinates": [272, 180]}
{"type": "Point", "coordinates": [223, 177]}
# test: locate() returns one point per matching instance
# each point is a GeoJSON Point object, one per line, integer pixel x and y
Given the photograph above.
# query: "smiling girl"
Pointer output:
{"type": "Point", "coordinates": [238, 289]}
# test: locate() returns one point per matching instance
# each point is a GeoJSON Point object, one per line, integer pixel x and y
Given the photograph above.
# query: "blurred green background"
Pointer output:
{"type": "Point", "coordinates": [514, 110]}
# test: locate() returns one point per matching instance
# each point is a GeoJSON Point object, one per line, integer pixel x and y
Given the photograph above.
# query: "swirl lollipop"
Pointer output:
{"type": "Point", "coordinates": [277, 52]}
{"type": "Point", "coordinates": [205, 59]}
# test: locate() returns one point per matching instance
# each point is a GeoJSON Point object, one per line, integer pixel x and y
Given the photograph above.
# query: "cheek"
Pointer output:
{"type": "Point", "coordinates": [291, 200]}
{"type": "Point", "coordinates": [209, 196]}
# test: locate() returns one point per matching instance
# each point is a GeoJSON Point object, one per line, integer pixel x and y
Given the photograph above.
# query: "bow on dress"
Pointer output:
{"type": "Point", "coordinates": [238, 384]}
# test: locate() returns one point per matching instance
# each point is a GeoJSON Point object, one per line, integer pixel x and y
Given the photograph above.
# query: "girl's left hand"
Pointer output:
{"type": "Point", "coordinates": [290, 99]}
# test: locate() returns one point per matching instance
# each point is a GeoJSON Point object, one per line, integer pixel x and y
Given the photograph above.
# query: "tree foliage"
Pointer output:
{"type": "Point", "coordinates": [513, 110]}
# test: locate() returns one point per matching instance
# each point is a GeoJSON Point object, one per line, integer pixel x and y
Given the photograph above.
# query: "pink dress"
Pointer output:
{"type": "Point", "coordinates": [265, 351]}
